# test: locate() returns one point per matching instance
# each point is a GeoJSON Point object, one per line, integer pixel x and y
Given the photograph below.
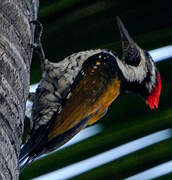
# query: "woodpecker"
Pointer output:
{"type": "Point", "coordinates": [77, 91]}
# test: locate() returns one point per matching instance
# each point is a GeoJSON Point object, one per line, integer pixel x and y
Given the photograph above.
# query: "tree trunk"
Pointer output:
{"type": "Point", "coordinates": [15, 58]}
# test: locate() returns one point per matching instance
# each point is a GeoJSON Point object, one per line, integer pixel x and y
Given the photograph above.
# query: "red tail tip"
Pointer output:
{"type": "Point", "coordinates": [153, 99]}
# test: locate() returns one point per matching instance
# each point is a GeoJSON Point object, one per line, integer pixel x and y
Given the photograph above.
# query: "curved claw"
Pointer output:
{"type": "Point", "coordinates": [37, 45]}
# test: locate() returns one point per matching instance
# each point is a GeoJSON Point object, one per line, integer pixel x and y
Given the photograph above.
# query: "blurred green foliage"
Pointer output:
{"type": "Point", "coordinates": [71, 26]}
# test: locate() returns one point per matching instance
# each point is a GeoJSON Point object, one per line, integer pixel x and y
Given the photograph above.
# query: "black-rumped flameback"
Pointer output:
{"type": "Point", "coordinates": [77, 92]}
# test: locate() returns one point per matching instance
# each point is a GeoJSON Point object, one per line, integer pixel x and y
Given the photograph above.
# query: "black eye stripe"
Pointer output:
{"type": "Point", "coordinates": [132, 58]}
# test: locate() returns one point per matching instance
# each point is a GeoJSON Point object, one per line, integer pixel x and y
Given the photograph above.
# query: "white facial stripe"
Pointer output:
{"type": "Point", "coordinates": [132, 73]}
{"type": "Point", "coordinates": [152, 81]}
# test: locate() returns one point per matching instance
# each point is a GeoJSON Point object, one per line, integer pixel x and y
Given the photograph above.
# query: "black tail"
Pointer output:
{"type": "Point", "coordinates": [30, 150]}
{"type": "Point", "coordinates": [24, 163]}
{"type": "Point", "coordinates": [26, 155]}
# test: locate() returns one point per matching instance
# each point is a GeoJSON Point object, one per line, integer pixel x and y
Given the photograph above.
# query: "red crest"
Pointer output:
{"type": "Point", "coordinates": [153, 99]}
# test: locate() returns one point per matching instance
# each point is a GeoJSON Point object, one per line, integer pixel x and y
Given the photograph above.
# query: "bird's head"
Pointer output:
{"type": "Point", "coordinates": [138, 71]}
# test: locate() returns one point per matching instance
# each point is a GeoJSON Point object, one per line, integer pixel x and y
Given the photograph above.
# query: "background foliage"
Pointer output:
{"type": "Point", "coordinates": [74, 25]}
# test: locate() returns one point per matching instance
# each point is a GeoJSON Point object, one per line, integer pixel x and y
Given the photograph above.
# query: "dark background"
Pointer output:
{"type": "Point", "coordinates": [74, 25]}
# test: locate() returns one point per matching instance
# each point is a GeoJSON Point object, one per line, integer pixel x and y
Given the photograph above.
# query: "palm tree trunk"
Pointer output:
{"type": "Point", "coordinates": [15, 58]}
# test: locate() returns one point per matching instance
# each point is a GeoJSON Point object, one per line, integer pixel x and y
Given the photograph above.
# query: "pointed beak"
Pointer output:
{"type": "Point", "coordinates": [131, 51]}
{"type": "Point", "coordinates": [126, 39]}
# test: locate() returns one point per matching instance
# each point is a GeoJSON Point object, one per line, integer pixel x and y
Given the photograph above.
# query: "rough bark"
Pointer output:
{"type": "Point", "coordinates": [15, 58]}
